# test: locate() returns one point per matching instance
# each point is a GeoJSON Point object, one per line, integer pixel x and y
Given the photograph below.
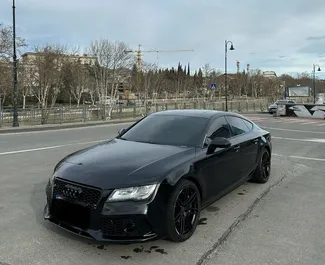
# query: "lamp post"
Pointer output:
{"type": "Point", "coordinates": [226, 79]}
{"type": "Point", "coordinates": [314, 79]}
{"type": "Point", "coordinates": [15, 111]}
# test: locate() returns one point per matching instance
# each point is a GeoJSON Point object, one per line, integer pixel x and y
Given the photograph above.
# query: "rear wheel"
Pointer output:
{"type": "Point", "coordinates": [183, 211]}
{"type": "Point", "coordinates": [263, 170]}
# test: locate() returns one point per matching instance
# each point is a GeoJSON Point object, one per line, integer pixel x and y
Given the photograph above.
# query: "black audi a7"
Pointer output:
{"type": "Point", "coordinates": [155, 177]}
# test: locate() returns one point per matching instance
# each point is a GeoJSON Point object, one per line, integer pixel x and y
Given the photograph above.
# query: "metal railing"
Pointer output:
{"type": "Point", "coordinates": [86, 113]}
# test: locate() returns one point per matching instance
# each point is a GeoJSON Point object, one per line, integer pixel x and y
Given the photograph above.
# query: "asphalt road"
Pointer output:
{"type": "Point", "coordinates": [280, 222]}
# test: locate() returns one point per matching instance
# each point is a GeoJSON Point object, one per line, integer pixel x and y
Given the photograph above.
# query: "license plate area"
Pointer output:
{"type": "Point", "coordinates": [71, 213]}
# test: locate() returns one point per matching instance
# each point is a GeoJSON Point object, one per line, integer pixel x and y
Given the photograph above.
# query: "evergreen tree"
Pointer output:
{"type": "Point", "coordinates": [200, 77]}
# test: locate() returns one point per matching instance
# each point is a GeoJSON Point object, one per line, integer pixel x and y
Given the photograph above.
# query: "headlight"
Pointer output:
{"type": "Point", "coordinates": [133, 193]}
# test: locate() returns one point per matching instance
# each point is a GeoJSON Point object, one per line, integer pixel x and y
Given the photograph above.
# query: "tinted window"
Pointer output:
{"type": "Point", "coordinates": [237, 125]}
{"type": "Point", "coordinates": [219, 128]}
{"type": "Point", "coordinates": [168, 130]}
{"type": "Point", "coordinates": [249, 125]}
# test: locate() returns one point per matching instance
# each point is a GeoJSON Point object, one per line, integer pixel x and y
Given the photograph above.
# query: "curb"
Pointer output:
{"type": "Point", "coordinates": [39, 128]}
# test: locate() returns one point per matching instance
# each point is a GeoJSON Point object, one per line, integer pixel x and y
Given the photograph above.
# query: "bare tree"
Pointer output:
{"type": "Point", "coordinates": [5, 80]}
{"type": "Point", "coordinates": [26, 81]}
{"type": "Point", "coordinates": [207, 70]}
{"type": "Point", "coordinates": [151, 80]}
{"type": "Point", "coordinates": [47, 63]}
{"type": "Point", "coordinates": [111, 59]}
{"type": "Point", "coordinates": [77, 79]}
{"type": "Point", "coordinates": [6, 41]}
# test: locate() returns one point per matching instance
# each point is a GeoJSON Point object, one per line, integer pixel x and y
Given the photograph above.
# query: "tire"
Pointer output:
{"type": "Point", "coordinates": [188, 216]}
{"type": "Point", "coordinates": [263, 170]}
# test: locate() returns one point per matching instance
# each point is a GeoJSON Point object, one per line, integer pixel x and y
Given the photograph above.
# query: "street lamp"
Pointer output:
{"type": "Point", "coordinates": [226, 79]}
{"type": "Point", "coordinates": [15, 114]}
{"type": "Point", "coordinates": [314, 80]}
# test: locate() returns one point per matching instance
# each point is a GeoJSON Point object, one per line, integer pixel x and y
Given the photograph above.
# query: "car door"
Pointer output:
{"type": "Point", "coordinates": [215, 170]}
{"type": "Point", "coordinates": [246, 144]}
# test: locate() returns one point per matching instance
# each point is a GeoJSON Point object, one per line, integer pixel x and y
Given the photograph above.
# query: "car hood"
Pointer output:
{"type": "Point", "coordinates": [119, 163]}
{"type": "Point", "coordinates": [273, 106]}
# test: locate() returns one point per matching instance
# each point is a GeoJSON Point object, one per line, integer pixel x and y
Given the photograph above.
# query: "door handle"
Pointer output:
{"type": "Point", "coordinates": [236, 148]}
{"type": "Point", "coordinates": [255, 141]}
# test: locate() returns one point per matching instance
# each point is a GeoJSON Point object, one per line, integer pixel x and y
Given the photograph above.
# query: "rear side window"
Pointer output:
{"type": "Point", "coordinates": [238, 125]}
{"type": "Point", "coordinates": [219, 128]}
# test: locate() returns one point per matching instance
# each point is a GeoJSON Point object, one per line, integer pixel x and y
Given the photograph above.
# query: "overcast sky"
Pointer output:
{"type": "Point", "coordinates": [284, 36]}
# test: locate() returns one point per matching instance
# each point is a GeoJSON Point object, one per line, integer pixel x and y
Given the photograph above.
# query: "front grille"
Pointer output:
{"type": "Point", "coordinates": [89, 197]}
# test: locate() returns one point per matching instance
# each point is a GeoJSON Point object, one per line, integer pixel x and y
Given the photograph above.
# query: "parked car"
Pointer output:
{"type": "Point", "coordinates": [155, 177]}
{"type": "Point", "coordinates": [273, 107]}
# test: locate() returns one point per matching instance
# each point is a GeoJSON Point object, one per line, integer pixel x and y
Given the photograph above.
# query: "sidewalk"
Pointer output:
{"type": "Point", "coordinates": [47, 127]}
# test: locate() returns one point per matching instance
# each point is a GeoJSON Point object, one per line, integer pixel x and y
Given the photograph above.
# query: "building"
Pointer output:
{"type": "Point", "coordinates": [29, 58]}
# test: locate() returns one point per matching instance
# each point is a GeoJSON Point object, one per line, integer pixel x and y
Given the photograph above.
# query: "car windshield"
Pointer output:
{"type": "Point", "coordinates": [168, 130]}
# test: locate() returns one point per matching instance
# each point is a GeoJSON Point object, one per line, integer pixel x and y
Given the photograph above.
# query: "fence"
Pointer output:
{"type": "Point", "coordinates": [85, 113]}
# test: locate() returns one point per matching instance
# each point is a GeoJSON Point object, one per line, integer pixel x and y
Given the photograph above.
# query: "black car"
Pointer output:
{"type": "Point", "coordinates": [155, 177]}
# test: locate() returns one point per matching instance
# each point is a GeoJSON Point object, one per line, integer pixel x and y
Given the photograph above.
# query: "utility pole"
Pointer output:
{"type": "Point", "coordinates": [314, 80]}
{"type": "Point", "coordinates": [15, 111]}
{"type": "Point", "coordinates": [226, 78]}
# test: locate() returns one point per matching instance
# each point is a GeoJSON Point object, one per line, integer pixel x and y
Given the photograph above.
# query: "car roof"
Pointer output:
{"type": "Point", "coordinates": [199, 113]}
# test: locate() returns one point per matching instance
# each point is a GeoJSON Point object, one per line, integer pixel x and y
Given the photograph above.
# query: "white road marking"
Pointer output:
{"type": "Point", "coordinates": [47, 148]}
{"type": "Point", "coordinates": [313, 140]}
{"type": "Point", "coordinates": [309, 122]}
{"type": "Point", "coordinates": [301, 157]}
{"type": "Point", "coordinates": [292, 121]}
{"type": "Point", "coordinates": [65, 129]}
{"type": "Point", "coordinates": [321, 124]}
{"type": "Point", "coordinates": [290, 130]}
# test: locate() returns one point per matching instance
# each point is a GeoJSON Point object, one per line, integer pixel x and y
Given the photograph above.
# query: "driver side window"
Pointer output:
{"type": "Point", "coordinates": [219, 128]}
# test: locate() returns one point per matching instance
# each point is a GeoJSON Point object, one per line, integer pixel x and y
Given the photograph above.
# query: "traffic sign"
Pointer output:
{"type": "Point", "coordinates": [213, 86]}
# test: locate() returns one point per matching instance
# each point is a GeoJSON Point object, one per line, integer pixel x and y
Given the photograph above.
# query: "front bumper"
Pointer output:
{"type": "Point", "coordinates": [114, 222]}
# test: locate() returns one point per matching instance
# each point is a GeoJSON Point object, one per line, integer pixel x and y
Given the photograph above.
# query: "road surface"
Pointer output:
{"type": "Point", "coordinates": [280, 222]}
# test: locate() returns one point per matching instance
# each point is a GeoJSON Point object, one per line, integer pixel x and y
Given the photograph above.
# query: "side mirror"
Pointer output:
{"type": "Point", "coordinates": [218, 142]}
{"type": "Point", "coordinates": [121, 131]}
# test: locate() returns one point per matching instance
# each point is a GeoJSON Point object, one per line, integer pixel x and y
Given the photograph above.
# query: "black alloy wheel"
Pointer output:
{"type": "Point", "coordinates": [183, 211]}
{"type": "Point", "coordinates": [263, 170]}
{"type": "Point", "coordinates": [186, 210]}
{"type": "Point", "coordinates": [266, 166]}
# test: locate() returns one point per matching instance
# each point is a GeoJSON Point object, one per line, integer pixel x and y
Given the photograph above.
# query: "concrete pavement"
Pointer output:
{"type": "Point", "coordinates": [255, 224]}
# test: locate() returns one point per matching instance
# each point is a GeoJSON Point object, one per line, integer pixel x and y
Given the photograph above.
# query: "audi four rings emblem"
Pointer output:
{"type": "Point", "coordinates": [72, 191]}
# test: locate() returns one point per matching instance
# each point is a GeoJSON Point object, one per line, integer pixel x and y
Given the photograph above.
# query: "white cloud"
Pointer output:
{"type": "Point", "coordinates": [262, 31]}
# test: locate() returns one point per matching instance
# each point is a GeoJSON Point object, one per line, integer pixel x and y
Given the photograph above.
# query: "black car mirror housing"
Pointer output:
{"type": "Point", "coordinates": [218, 142]}
{"type": "Point", "coordinates": [121, 131]}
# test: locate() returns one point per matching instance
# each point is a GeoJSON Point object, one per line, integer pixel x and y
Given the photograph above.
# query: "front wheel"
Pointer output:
{"type": "Point", "coordinates": [263, 170]}
{"type": "Point", "coordinates": [183, 211]}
